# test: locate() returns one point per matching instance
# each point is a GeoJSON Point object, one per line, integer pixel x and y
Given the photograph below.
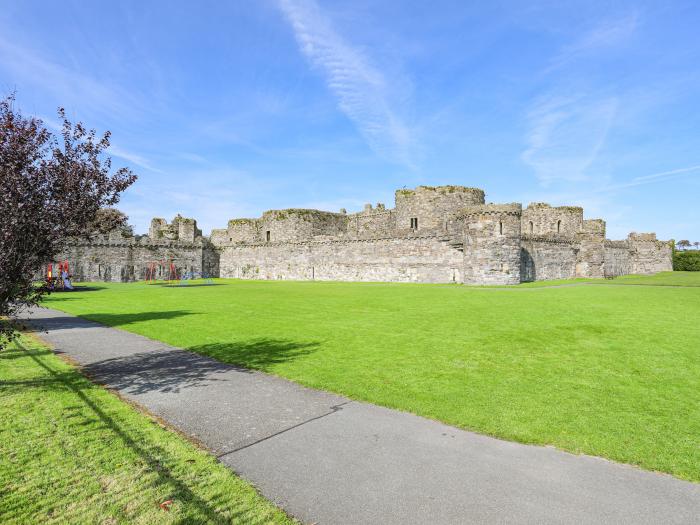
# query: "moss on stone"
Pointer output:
{"type": "Point", "coordinates": [451, 189]}
{"type": "Point", "coordinates": [297, 212]}
{"type": "Point", "coordinates": [240, 222]}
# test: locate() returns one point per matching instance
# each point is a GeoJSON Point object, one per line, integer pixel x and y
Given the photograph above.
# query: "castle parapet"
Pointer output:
{"type": "Point", "coordinates": [539, 218]}
{"type": "Point", "coordinates": [492, 209]}
{"type": "Point", "coordinates": [594, 227]}
{"type": "Point", "coordinates": [180, 229]}
{"type": "Point", "coordinates": [642, 237]}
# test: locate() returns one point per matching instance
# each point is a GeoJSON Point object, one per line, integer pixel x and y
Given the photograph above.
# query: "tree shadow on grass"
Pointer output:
{"type": "Point", "coordinates": [43, 324]}
{"type": "Point", "coordinates": [259, 354]}
{"type": "Point", "coordinates": [139, 317]}
{"type": "Point", "coordinates": [158, 459]}
{"type": "Point", "coordinates": [189, 285]}
{"type": "Point", "coordinates": [81, 288]}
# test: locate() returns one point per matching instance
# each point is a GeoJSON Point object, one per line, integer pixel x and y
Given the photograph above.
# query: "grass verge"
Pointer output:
{"type": "Point", "coordinates": [72, 452]}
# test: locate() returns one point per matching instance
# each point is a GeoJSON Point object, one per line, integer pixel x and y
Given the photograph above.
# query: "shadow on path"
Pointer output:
{"type": "Point", "coordinates": [173, 370]}
{"type": "Point", "coordinates": [161, 371]}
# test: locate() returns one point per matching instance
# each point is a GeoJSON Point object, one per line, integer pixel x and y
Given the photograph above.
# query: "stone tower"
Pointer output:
{"type": "Point", "coordinates": [492, 244]}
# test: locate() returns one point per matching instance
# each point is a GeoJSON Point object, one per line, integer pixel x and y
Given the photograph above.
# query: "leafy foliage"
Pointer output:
{"type": "Point", "coordinates": [686, 261]}
{"type": "Point", "coordinates": [108, 219]}
{"type": "Point", "coordinates": [51, 188]}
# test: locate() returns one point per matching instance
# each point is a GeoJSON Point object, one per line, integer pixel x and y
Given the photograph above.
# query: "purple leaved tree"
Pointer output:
{"type": "Point", "coordinates": [52, 187]}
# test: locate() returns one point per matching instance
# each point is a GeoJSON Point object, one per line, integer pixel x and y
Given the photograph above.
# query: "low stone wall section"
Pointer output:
{"type": "Point", "coordinates": [129, 260]}
{"type": "Point", "coordinates": [411, 259]}
{"type": "Point", "coordinates": [544, 258]}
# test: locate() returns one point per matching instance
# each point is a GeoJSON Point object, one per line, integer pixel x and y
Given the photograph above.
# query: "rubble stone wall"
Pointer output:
{"type": "Point", "coordinates": [409, 259]}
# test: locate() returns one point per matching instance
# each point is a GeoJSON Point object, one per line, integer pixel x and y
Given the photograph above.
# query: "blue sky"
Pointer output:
{"type": "Point", "coordinates": [225, 109]}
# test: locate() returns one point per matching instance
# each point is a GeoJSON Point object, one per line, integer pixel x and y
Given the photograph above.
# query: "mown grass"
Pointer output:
{"type": "Point", "coordinates": [607, 370]}
{"type": "Point", "coordinates": [661, 279]}
{"type": "Point", "coordinates": [74, 453]}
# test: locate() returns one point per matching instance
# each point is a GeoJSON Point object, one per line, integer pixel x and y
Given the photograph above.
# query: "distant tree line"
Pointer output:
{"type": "Point", "coordinates": [686, 245]}
{"type": "Point", "coordinates": [686, 256]}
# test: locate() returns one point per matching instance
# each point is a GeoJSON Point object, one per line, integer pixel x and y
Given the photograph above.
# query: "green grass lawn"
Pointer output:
{"type": "Point", "coordinates": [71, 452]}
{"type": "Point", "coordinates": [603, 369]}
{"type": "Point", "coordinates": [661, 279]}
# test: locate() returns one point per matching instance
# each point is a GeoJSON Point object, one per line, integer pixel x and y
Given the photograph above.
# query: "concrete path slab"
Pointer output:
{"type": "Point", "coordinates": [326, 459]}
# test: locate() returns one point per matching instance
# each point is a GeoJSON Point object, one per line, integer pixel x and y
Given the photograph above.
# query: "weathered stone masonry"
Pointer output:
{"type": "Point", "coordinates": [433, 234]}
{"type": "Point", "coordinates": [122, 256]}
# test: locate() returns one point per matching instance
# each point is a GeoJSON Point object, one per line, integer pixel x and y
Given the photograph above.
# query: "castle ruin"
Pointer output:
{"type": "Point", "coordinates": [444, 234]}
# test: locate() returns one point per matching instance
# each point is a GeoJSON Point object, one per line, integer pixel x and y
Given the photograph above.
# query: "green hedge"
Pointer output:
{"type": "Point", "coordinates": [686, 261]}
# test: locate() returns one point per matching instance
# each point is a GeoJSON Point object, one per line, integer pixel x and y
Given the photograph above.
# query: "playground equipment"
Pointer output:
{"type": "Point", "coordinates": [157, 269]}
{"type": "Point", "coordinates": [153, 271]}
{"type": "Point", "coordinates": [168, 272]}
{"type": "Point", "coordinates": [63, 279]}
{"type": "Point", "coordinates": [189, 277]}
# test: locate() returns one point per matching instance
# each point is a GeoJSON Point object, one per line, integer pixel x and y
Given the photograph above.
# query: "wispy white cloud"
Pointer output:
{"type": "Point", "coordinates": [362, 91]}
{"type": "Point", "coordinates": [212, 195]}
{"type": "Point", "coordinates": [51, 123]}
{"type": "Point", "coordinates": [654, 177]}
{"type": "Point", "coordinates": [567, 132]}
{"type": "Point", "coordinates": [565, 136]}
{"type": "Point", "coordinates": [69, 86]}
{"type": "Point", "coordinates": [134, 158]}
{"type": "Point", "coordinates": [195, 158]}
{"type": "Point", "coordinates": [209, 209]}
{"type": "Point", "coordinates": [116, 151]}
{"type": "Point", "coordinates": [605, 34]}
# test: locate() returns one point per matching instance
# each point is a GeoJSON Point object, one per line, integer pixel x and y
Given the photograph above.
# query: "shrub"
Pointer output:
{"type": "Point", "coordinates": [686, 261]}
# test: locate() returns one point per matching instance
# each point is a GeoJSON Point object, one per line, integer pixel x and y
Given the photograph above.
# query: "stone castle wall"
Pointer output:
{"type": "Point", "coordinates": [492, 243]}
{"type": "Point", "coordinates": [408, 259]}
{"type": "Point", "coordinates": [122, 257]}
{"type": "Point", "coordinates": [542, 219]}
{"type": "Point", "coordinates": [544, 258]}
{"type": "Point", "coordinates": [618, 260]}
{"type": "Point", "coordinates": [433, 234]}
{"type": "Point", "coordinates": [640, 253]}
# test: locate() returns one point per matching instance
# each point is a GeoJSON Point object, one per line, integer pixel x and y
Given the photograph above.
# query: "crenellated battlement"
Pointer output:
{"type": "Point", "coordinates": [513, 209]}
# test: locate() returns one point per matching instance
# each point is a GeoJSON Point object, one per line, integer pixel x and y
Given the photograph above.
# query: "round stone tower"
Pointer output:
{"type": "Point", "coordinates": [492, 244]}
{"type": "Point", "coordinates": [429, 207]}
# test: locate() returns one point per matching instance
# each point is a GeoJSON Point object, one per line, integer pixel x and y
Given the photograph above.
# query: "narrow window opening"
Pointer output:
{"type": "Point", "coordinates": [532, 227]}
{"type": "Point", "coordinates": [558, 226]}
{"type": "Point", "coordinates": [267, 236]}
{"type": "Point", "coordinates": [414, 223]}
{"type": "Point", "coordinates": [500, 227]}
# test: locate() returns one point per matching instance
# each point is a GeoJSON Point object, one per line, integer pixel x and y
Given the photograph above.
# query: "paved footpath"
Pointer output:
{"type": "Point", "coordinates": [326, 459]}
